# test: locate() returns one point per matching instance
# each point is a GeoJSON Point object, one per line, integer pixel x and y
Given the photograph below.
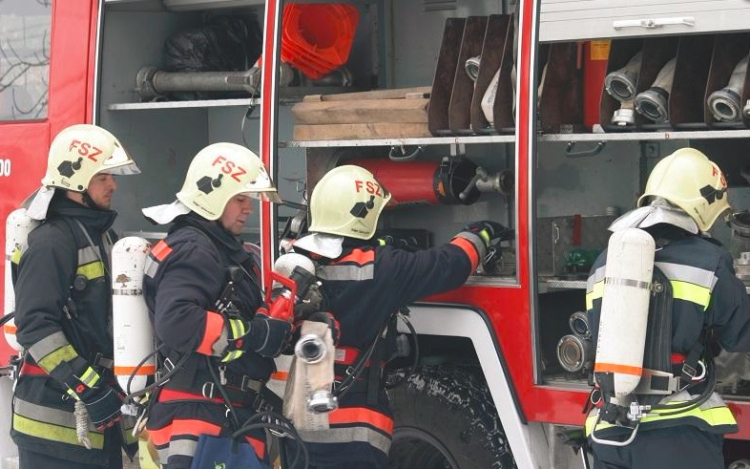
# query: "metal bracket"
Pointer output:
{"type": "Point", "coordinates": [458, 149]}
{"type": "Point", "coordinates": [404, 156]}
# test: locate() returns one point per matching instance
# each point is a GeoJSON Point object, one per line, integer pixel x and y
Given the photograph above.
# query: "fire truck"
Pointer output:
{"type": "Point", "coordinates": [495, 373]}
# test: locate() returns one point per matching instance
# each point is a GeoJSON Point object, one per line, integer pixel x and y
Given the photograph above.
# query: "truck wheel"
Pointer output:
{"type": "Point", "coordinates": [445, 419]}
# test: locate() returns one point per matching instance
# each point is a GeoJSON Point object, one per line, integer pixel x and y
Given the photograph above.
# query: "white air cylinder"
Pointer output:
{"type": "Point", "coordinates": [133, 334]}
{"type": "Point", "coordinates": [624, 314]}
{"type": "Point", "coordinates": [17, 228]}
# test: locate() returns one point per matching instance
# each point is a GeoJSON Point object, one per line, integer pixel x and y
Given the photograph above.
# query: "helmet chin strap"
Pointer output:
{"type": "Point", "coordinates": [89, 202]}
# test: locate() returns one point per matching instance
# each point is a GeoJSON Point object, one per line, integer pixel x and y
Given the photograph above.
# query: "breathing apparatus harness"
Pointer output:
{"type": "Point", "coordinates": [666, 373]}
{"type": "Point", "coordinates": [247, 390]}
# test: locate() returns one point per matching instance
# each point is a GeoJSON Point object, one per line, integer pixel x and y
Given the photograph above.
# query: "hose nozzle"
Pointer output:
{"type": "Point", "coordinates": [725, 104]}
{"type": "Point", "coordinates": [310, 348]}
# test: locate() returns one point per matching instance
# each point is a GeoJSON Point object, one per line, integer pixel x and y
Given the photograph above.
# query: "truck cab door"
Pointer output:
{"type": "Point", "coordinates": [46, 84]}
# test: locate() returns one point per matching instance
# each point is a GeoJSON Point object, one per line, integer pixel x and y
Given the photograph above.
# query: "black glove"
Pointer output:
{"type": "Point", "coordinates": [103, 405]}
{"type": "Point", "coordinates": [266, 336]}
{"type": "Point", "coordinates": [102, 402]}
{"type": "Point", "coordinates": [488, 231]}
{"type": "Point", "coordinates": [333, 324]}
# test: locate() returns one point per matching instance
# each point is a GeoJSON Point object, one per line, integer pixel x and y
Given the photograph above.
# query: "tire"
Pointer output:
{"type": "Point", "coordinates": [445, 419]}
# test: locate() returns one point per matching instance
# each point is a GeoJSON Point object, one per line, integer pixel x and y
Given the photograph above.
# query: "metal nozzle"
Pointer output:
{"type": "Point", "coordinates": [623, 117]}
{"type": "Point", "coordinates": [472, 67]}
{"type": "Point", "coordinates": [725, 105]}
{"type": "Point", "coordinates": [620, 84]}
{"type": "Point", "coordinates": [573, 353]}
{"type": "Point", "coordinates": [653, 103]}
{"type": "Point", "coordinates": [310, 348]}
{"type": "Point", "coordinates": [322, 401]}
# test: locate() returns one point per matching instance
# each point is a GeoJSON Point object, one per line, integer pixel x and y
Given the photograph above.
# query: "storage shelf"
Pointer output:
{"type": "Point", "coordinates": [288, 95]}
{"type": "Point", "coordinates": [206, 103]}
{"type": "Point", "coordinates": [479, 139]}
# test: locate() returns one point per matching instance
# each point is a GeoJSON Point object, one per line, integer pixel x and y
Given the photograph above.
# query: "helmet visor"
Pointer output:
{"type": "Point", "coordinates": [119, 163]}
{"type": "Point", "coordinates": [262, 188]}
{"type": "Point", "coordinates": [269, 195]}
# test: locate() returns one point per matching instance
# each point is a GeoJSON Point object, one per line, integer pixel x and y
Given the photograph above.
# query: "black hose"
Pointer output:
{"type": "Point", "coordinates": [284, 427]}
{"type": "Point", "coordinates": [7, 318]}
{"type": "Point", "coordinates": [159, 382]}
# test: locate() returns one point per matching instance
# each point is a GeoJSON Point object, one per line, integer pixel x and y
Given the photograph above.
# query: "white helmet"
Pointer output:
{"type": "Point", "coordinates": [347, 201]}
{"type": "Point", "coordinates": [217, 173]}
{"type": "Point", "coordinates": [692, 182]}
{"type": "Point", "coordinates": [76, 155]}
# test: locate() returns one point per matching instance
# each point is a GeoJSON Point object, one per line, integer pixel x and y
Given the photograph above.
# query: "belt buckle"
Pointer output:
{"type": "Point", "coordinates": [245, 384]}
{"type": "Point", "coordinates": [260, 404]}
{"type": "Point", "coordinates": [166, 365]}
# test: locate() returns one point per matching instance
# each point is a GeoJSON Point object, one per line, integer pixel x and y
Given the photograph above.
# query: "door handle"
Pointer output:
{"type": "Point", "coordinates": [653, 23]}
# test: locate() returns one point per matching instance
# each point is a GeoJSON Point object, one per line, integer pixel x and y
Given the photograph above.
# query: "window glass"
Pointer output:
{"type": "Point", "coordinates": [24, 58]}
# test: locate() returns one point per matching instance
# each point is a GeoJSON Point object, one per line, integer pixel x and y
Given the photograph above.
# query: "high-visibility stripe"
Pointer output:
{"type": "Point", "coordinates": [89, 263]}
{"type": "Point", "coordinates": [15, 258]}
{"type": "Point", "coordinates": [280, 375]}
{"type": "Point", "coordinates": [689, 274]}
{"type": "Point", "coordinates": [193, 427]}
{"type": "Point", "coordinates": [713, 413]}
{"type": "Point", "coordinates": [346, 272]}
{"type": "Point", "coordinates": [52, 415]}
{"type": "Point", "coordinates": [48, 431]}
{"type": "Point", "coordinates": [171, 395]}
{"type": "Point", "coordinates": [359, 257]}
{"type": "Point", "coordinates": [10, 328]}
{"type": "Point", "coordinates": [161, 250]}
{"type": "Point", "coordinates": [52, 360]}
{"type": "Point", "coordinates": [87, 255]}
{"type": "Point", "coordinates": [138, 371]}
{"type": "Point", "coordinates": [596, 292]}
{"type": "Point", "coordinates": [179, 447]}
{"type": "Point", "coordinates": [150, 267]}
{"type": "Point", "coordinates": [469, 248]}
{"type": "Point", "coordinates": [47, 345]}
{"type": "Point", "coordinates": [362, 434]}
{"type": "Point", "coordinates": [89, 377]}
{"type": "Point", "coordinates": [186, 445]}
{"type": "Point", "coordinates": [91, 271]}
{"type": "Point", "coordinates": [214, 328]}
{"type": "Point", "coordinates": [692, 293]}
{"type": "Point", "coordinates": [617, 368]}
{"type": "Point", "coordinates": [361, 415]}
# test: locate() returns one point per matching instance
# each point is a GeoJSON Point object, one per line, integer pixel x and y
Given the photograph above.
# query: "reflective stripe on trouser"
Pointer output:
{"type": "Point", "coordinates": [51, 424]}
{"type": "Point", "coordinates": [713, 415]}
{"type": "Point", "coordinates": [355, 424]}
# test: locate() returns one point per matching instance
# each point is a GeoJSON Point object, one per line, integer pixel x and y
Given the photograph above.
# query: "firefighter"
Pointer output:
{"type": "Point", "coordinates": [203, 292]}
{"type": "Point", "coordinates": [685, 194]}
{"type": "Point", "coordinates": [64, 310]}
{"type": "Point", "coordinates": [364, 285]}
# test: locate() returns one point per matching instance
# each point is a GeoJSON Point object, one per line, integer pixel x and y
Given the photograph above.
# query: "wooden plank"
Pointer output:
{"type": "Point", "coordinates": [375, 94]}
{"type": "Point", "coordinates": [360, 131]}
{"type": "Point", "coordinates": [364, 111]}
